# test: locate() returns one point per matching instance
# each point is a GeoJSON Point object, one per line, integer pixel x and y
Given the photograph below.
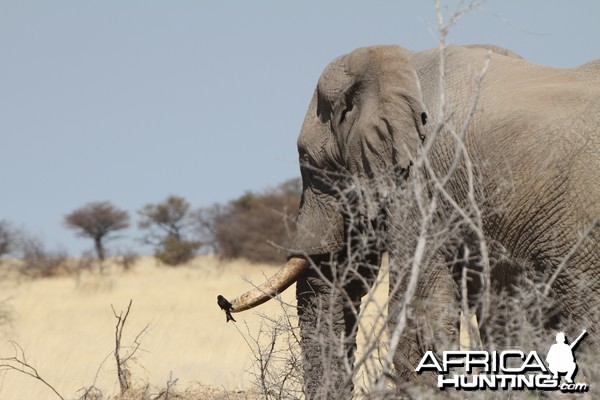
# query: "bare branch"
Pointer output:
{"type": "Point", "coordinates": [565, 260]}
{"type": "Point", "coordinates": [122, 371]}
{"type": "Point", "coordinates": [19, 363]}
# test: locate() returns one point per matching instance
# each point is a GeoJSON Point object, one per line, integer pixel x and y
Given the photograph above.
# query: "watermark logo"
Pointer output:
{"type": "Point", "coordinates": [507, 370]}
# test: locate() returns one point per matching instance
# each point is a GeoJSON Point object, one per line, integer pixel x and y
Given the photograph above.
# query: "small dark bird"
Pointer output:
{"type": "Point", "coordinates": [225, 306]}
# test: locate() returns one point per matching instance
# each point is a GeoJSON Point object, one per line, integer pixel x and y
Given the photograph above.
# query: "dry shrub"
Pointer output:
{"type": "Point", "coordinates": [256, 226]}
{"type": "Point", "coordinates": [171, 391]}
{"type": "Point", "coordinates": [6, 316]}
{"type": "Point", "coordinates": [127, 259]}
{"type": "Point", "coordinates": [37, 262]}
{"type": "Point", "coordinates": [277, 366]}
{"type": "Point", "coordinates": [7, 237]}
{"type": "Point", "coordinates": [174, 251]}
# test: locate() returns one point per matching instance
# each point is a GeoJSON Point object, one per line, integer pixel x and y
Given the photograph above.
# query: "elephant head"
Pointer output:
{"type": "Point", "coordinates": [359, 137]}
{"type": "Point", "coordinates": [363, 126]}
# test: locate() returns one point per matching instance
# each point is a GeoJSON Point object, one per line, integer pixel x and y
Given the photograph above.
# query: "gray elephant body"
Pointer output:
{"type": "Point", "coordinates": [534, 140]}
{"type": "Point", "coordinates": [477, 171]}
{"type": "Point", "coordinates": [531, 162]}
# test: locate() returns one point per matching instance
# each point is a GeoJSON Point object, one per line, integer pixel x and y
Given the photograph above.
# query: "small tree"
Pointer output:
{"type": "Point", "coordinates": [97, 220]}
{"type": "Point", "coordinates": [6, 238]}
{"type": "Point", "coordinates": [168, 224]}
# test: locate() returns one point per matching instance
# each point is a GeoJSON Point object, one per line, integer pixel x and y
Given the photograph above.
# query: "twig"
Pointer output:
{"type": "Point", "coordinates": [122, 371]}
{"type": "Point", "coordinates": [595, 223]}
{"type": "Point", "coordinates": [21, 365]}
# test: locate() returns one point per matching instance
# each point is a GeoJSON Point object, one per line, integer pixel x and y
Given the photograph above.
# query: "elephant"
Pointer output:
{"type": "Point", "coordinates": [472, 168]}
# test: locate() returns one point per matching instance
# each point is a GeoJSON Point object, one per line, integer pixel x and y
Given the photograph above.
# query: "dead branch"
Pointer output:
{"type": "Point", "coordinates": [19, 363]}
{"type": "Point", "coordinates": [122, 360]}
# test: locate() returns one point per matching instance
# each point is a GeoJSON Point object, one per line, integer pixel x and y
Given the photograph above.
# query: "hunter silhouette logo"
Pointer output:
{"type": "Point", "coordinates": [560, 357]}
{"type": "Point", "coordinates": [507, 370]}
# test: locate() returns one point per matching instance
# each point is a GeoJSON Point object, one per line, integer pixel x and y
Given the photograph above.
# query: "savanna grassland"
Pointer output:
{"type": "Point", "coordinates": [66, 328]}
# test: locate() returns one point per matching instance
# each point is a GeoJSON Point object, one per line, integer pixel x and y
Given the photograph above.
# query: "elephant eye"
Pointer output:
{"type": "Point", "coordinates": [346, 111]}
{"type": "Point", "coordinates": [423, 118]}
{"type": "Point", "coordinates": [304, 156]}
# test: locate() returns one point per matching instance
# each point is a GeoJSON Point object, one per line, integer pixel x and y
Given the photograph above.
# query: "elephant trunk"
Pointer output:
{"type": "Point", "coordinates": [278, 283]}
{"type": "Point", "coordinates": [329, 302]}
{"type": "Point", "coordinates": [325, 328]}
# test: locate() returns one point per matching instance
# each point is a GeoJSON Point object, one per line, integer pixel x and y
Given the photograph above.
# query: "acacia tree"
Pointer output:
{"type": "Point", "coordinates": [168, 224]}
{"type": "Point", "coordinates": [97, 220]}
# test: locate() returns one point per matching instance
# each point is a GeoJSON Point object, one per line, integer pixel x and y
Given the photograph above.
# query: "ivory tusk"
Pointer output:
{"type": "Point", "coordinates": [278, 283]}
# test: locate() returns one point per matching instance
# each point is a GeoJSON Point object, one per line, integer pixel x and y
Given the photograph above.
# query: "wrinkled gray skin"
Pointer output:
{"type": "Point", "coordinates": [535, 145]}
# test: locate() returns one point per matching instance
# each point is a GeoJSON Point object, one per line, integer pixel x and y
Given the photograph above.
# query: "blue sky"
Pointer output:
{"type": "Point", "coordinates": [130, 101]}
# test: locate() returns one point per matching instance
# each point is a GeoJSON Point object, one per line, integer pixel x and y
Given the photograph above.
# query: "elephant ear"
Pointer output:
{"type": "Point", "coordinates": [399, 113]}
{"type": "Point", "coordinates": [402, 106]}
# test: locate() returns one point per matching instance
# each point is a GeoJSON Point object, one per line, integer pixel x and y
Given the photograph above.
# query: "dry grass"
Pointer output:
{"type": "Point", "coordinates": [66, 328]}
